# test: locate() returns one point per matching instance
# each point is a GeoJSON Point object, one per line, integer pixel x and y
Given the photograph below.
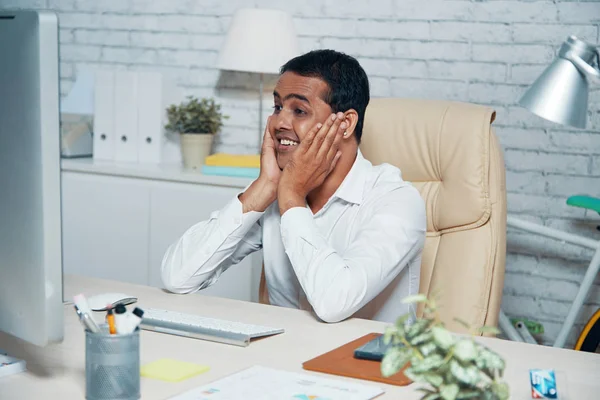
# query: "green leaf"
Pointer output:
{"type": "Point", "coordinates": [467, 375]}
{"type": "Point", "coordinates": [488, 329]}
{"type": "Point", "coordinates": [400, 321]}
{"type": "Point", "coordinates": [426, 391]}
{"type": "Point", "coordinates": [417, 328]}
{"type": "Point", "coordinates": [390, 331]}
{"type": "Point", "coordinates": [432, 396]}
{"type": "Point", "coordinates": [488, 359]}
{"type": "Point", "coordinates": [394, 360]}
{"type": "Point", "coordinates": [465, 350]}
{"type": "Point", "coordinates": [414, 376]}
{"type": "Point", "coordinates": [487, 395]}
{"type": "Point", "coordinates": [432, 362]}
{"type": "Point", "coordinates": [434, 379]}
{"type": "Point", "coordinates": [449, 392]}
{"type": "Point", "coordinates": [422, 338]}
{"type": "Point", "coordinates": [442, 337]}
{"type": "Point", "coordinates": [416, 298]}
{"type": "Point", "coordinates": [468, 394]}
{"type": "Point", "coordinates": [501, 390]}
{"type": "Point", "coordinates": [428, 348]}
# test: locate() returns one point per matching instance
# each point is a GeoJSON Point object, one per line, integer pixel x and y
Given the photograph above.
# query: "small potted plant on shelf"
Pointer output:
{"type": "Point", "coordinates": [451, 367]}
{"type": "Point", "coordinates": [197, 122]}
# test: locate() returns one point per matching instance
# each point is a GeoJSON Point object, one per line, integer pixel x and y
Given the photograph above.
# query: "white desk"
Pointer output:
{"type": "Point", "coordinates": [58, 371]}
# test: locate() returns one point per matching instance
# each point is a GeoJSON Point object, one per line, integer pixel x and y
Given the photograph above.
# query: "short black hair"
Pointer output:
{"type": "Point", "coordinates": [347, 80]}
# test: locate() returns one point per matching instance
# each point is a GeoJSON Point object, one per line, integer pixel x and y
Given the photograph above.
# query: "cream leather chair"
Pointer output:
{"type": "Point", "coordinates": [449, 151]}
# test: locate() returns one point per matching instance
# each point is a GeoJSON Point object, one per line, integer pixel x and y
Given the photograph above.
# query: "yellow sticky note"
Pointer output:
{"type": "Point", "coordinates": [172, 370]}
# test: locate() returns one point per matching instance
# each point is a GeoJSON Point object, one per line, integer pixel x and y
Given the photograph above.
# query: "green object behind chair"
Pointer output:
{"type": "Point", "coordinates": [590, 203]}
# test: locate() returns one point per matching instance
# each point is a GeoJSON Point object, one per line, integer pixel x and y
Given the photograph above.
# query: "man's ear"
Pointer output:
{"type": "Point", "coordinates": [351, 119]}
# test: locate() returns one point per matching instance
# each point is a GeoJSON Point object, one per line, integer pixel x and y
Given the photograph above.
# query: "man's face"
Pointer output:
{"type": "Point", "coordinates": [299, 106]}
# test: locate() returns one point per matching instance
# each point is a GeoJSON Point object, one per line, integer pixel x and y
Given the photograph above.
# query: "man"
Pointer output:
{"type": "Point", "coordinates": [339, 236]}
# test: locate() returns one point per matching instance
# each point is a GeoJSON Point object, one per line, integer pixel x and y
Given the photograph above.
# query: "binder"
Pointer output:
{"type": "Point", "coordinates": [150, 115]}
{"type": "Point", "coordinates": [104, 121]}
{"type": "Point", "coordinates": [126, 116]}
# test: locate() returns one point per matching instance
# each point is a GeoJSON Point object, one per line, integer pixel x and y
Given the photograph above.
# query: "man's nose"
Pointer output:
{"type": "Point", "coordinates": [283, 121]}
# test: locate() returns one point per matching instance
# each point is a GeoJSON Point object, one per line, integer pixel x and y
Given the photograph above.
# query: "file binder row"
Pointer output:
{"type": "Point", "coordinates": [128, 116]}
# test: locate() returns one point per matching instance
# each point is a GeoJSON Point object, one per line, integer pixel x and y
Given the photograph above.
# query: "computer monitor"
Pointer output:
{"type": "Point", "coordinates": [31, 290]}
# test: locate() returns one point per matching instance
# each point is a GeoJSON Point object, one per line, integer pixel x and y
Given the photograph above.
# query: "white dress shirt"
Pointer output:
{"type": "Point", "coordinates": [357, 256]}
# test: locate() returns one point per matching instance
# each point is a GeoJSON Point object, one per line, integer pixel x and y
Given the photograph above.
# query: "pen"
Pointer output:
{"type": "Point", "coordinates": [110, 318]}
{"type": "Point", "coordinates": [83, 311]}
{"type": "Point", "coordinates": [87, 321]}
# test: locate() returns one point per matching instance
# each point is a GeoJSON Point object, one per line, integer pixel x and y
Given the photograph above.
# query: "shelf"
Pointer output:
{"type": "Point", "coordinates": [157, 172]}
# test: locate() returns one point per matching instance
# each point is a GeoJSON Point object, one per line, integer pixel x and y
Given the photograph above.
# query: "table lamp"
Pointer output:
{"type": "Point", "coordinates": [259, 41]}
{"type": "Point", "coordinates": [560, 95]}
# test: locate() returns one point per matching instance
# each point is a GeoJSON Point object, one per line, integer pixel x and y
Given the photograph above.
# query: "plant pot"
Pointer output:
{"type": "Point", "coordinates": [195, 147]}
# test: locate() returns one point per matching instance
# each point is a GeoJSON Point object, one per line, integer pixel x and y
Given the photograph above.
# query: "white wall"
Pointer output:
{"type": "Point", "coordinates": [479, 51]}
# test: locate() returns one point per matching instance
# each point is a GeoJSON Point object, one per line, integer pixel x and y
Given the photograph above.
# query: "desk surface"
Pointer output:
{"type": "Point", "coordinates": [61, 368]}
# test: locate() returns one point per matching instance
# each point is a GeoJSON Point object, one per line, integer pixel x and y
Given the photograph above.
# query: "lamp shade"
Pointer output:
{"type": "Point", "coordinates": [259, 41]}
{"type": "Point", "coordinates": [560, 94]}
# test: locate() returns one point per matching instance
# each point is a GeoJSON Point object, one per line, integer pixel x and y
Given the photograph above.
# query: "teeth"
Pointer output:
{"type": "Point", "coordinates": [287, 142]}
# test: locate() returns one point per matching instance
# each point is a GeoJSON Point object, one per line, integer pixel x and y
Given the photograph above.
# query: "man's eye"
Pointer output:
{"type": "Point", "coordinates": [277, 108]}
{"type": "Point", "coordinates": [299, 111]}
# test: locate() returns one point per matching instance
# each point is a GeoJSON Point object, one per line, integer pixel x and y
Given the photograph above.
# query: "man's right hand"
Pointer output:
{"type": "Point", "coordinates": [263, 191]}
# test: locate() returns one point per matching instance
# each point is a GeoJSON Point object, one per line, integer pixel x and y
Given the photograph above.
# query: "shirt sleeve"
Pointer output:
{"type": "Point", "coordinates": [197, 259]}
{"type": "Point", "coordinates": [391, 233]}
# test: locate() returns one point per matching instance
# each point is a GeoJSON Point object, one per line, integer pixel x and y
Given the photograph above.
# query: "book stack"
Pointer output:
{"type": "Point", "coordinates": [236, 165]}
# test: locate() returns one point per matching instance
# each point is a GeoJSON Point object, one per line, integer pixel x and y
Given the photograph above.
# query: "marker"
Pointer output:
{"type": "Point", "coordinates": [136, 318]}
{"type": "Point", "coordinates": [121, 320]}
{"type": "Point", "coordinates": [110, 319]}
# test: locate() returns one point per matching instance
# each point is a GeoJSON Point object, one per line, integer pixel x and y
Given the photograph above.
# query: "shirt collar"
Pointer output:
{"type": "Point", "coordinates": [353, 185]}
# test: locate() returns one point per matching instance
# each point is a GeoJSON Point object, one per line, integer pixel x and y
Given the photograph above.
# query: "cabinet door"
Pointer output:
{"type": "Point", "coordinates": [105, 227]}
{"type": "Point", "coordinates": [175, 207]}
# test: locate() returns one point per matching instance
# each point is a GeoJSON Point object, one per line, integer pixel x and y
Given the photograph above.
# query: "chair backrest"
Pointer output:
{"type": "Point", "coordinates": [449, 151]}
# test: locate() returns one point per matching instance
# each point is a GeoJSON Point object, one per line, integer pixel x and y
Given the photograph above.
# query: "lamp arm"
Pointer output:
{"type": "Point", "coordinates": [583, 67]}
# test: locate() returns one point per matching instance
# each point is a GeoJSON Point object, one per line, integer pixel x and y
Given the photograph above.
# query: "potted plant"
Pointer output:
{"type": "Point", "coordinates": [453, 368]}
{"type": "Point", "coordinates": [197, 122]}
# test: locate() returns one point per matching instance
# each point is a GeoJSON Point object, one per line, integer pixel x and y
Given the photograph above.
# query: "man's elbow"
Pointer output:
{"type": "Point", "coordinates": [172, 281]}
{"type": "Point", "coordinates": [331, 315]}
{"type": "Point", "coordinates": [173, 285]}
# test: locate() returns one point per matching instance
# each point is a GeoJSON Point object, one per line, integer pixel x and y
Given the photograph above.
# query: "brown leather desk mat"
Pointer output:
{"type": "Point", "coordinates": [341, 362]}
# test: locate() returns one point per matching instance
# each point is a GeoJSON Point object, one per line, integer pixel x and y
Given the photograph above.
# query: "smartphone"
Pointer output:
{"type": "Point", "coordinates": [373, 350]}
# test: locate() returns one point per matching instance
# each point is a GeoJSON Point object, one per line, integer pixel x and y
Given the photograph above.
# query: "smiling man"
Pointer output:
{"type": "Point", "coordinates": [340, 236]}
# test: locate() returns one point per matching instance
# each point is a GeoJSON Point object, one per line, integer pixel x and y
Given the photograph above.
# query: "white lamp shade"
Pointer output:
{"type": "Point", "coordinates": [259, 41]}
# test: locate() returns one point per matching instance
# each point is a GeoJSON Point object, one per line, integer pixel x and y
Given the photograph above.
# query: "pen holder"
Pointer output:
{"type": "Point", "coordinates": [112, 365]}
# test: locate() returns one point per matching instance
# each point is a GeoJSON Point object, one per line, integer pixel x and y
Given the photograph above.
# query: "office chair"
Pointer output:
{"type": "Point", "coordinates": [450, 152]}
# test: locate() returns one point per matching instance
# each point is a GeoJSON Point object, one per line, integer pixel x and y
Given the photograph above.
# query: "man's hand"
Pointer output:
{"type": "Point", "coordinates": [310, 164]}
{"type": "Point", "coordinates": [263, 191]}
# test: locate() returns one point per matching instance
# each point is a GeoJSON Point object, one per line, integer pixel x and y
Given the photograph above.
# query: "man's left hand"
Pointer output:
{"type": "Point", "coordinates": [310, 164]}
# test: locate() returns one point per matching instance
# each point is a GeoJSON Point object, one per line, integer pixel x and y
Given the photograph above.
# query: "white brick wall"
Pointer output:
{"type": "Point", "coordinates": [479, 51]}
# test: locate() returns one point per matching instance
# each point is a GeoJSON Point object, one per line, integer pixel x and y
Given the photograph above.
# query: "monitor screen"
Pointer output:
{"type": "Point", "coordinates": [30, 208]}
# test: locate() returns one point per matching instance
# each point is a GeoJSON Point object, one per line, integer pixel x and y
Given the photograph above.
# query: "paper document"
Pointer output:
{"type": "Point", "coordinates": [261, 383]}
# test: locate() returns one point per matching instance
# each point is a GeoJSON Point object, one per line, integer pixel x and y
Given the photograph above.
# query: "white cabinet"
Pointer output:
{"type": "Point", "coordinates": [118, 223]}
{"type": "Point", "coordinates": [105, 227]}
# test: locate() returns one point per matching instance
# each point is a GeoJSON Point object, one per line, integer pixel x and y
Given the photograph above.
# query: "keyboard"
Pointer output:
{"type": "Point", "coordinates": [197, 327]}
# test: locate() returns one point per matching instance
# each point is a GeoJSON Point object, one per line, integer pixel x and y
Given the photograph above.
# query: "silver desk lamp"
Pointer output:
{"type": "Point", "coordinates": [560, 95]}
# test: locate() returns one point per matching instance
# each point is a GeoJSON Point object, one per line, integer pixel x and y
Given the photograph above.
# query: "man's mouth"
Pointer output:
{"type": "Point", "coordinates": [288, 142]}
